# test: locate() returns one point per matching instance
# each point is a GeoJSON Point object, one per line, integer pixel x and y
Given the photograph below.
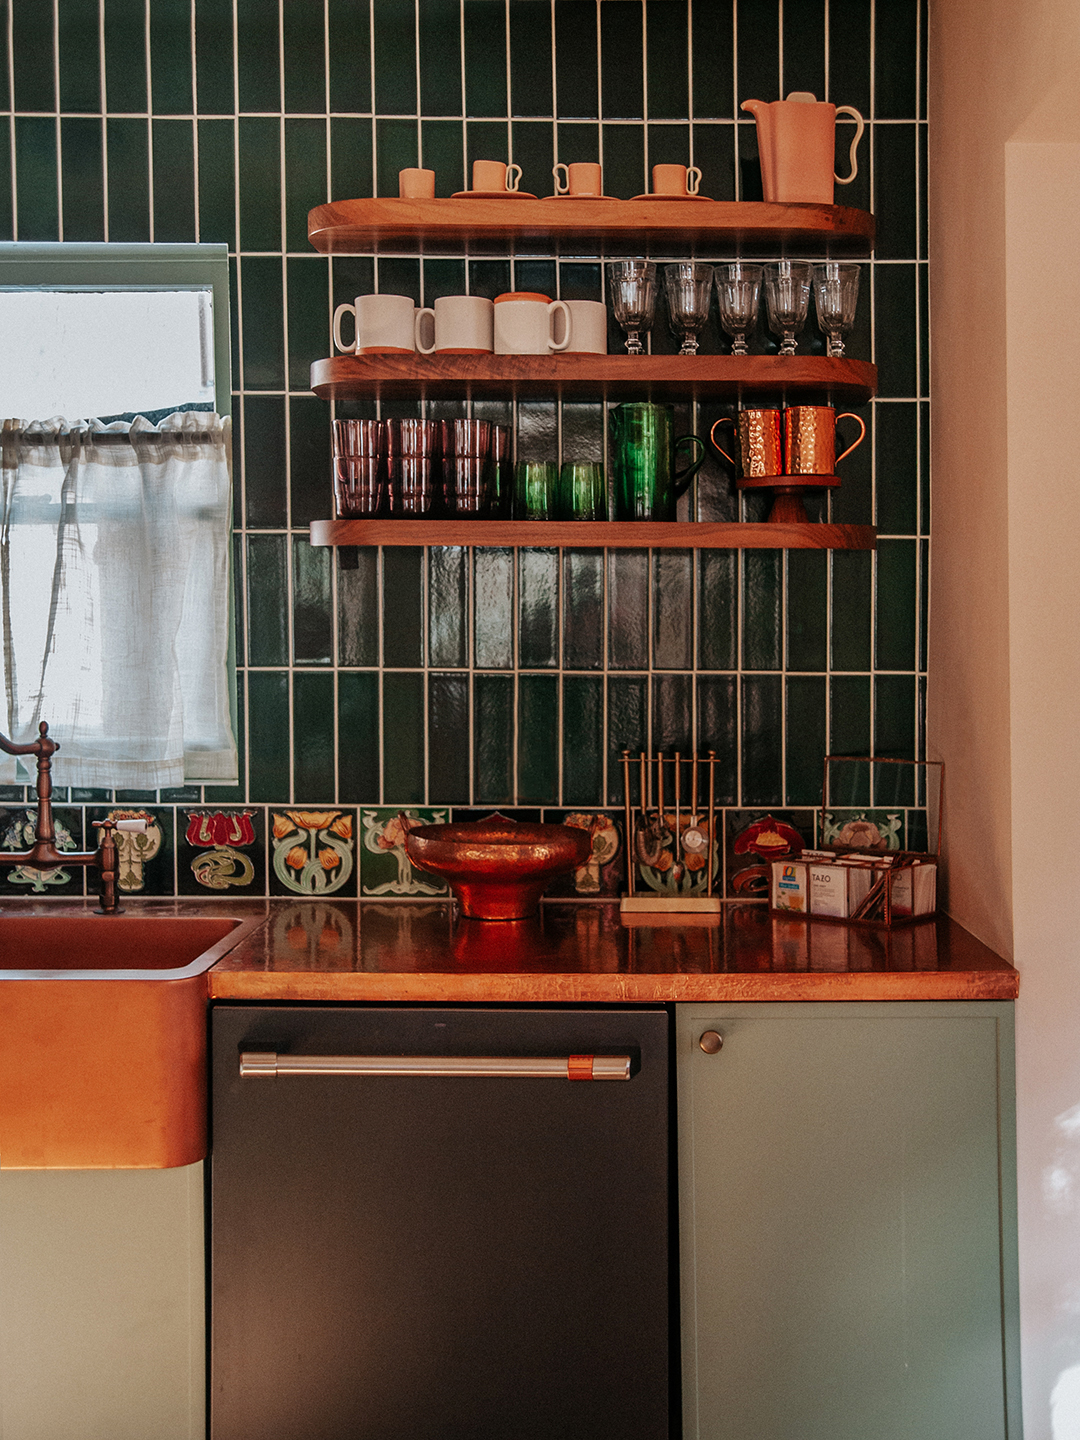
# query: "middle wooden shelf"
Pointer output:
{"type": "Point", "coordinates": [408, 376]}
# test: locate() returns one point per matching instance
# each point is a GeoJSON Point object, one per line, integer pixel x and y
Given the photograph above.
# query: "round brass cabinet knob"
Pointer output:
{"type": "Point", "coordinates": [711, 1041]}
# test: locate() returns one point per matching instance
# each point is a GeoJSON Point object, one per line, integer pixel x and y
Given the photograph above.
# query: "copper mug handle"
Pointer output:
{"type": "Point", "coordinates": [726, 420]}
{"type": "Point", "coordinates": [850, 415]}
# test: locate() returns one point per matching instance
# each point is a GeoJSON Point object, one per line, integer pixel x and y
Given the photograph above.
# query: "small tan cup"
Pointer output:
{"type": "Point", "coordinates": [494, 175]}
{"type": "Point", "coordinates": [583, 178]}
{"type": "Point", "coordinates": [675, 180]}
{"type": "Point", "coordinates": [810, 439]}
{"type": "Point", "coordinates": [759, 442]}
{"type": "Point", "coordinates": [416, 184]}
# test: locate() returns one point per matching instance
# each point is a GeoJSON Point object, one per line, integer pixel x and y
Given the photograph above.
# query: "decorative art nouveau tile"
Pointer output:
{"type": "Point", "coordinates": [313, 852]}
{"type": "Point", "coordinates": [754, 838]}
{"type": "Point", "coordinates": [604, 873]}
{"type": "Point", "coordinates": [385, 869]}
{"type": "Point", "coordinates": [145, 861]}
{"type": "Point", "coordinates": [222, 852]}
{"type": "Point", "coordinates": [866, 829]}
{"type": "Point", "coordinates": [17, 833]}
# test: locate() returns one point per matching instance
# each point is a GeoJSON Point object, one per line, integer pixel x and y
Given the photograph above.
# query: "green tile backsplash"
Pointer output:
{"type": "Point", "coordinates": [442, 678]}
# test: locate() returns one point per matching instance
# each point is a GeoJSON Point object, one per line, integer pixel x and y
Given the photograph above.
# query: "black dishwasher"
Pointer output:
{"type": "Point", "coordinates": [439, 1224]}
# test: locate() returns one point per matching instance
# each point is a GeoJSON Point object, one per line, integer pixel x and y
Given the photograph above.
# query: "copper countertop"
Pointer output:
{"type": "Point", "coordinates": [324, 950]}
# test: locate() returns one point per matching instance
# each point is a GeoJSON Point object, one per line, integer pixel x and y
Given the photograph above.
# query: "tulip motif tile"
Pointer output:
{"type": "Point", "coordinates": [313, 852]}
{"type": "Point", "coordinates": [385, 868]}
{"type": "Point", "coordinates": [222, 851]}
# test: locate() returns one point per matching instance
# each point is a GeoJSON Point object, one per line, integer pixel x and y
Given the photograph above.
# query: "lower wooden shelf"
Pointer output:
{"type": "Point", "coordinates": [598, 534]}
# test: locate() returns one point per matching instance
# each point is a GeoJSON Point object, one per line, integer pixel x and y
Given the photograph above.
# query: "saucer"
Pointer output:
{"type": "Point", "coordinates": [492, 195]}
{"type": "Point", "coordinates": [580, 197]}
{"type": "Point", "coordinates": [670, 197]}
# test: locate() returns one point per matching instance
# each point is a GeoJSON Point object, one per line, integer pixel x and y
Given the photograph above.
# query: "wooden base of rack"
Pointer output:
{"type": "Point", "coordinates": [597, 534]}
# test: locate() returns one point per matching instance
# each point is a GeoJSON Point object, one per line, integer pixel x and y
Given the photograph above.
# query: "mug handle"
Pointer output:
{"type": "Point", "coordinates": [724, 420]}
{"type": "Point", "coordinates": [860, 127]}
{"type": "Point", "coordinates": [561, 189]}
{"type": "Point", "coordinates": [683, 478]}
{"type": "Point", "coordinates": [568, 319]}
{"type": "Point", "coordinates": [693, 180]}
{"type": "Point", "coordinates": [850, 415]}
{"type": "Point", "coordinates": [417, 324]}
{"type": "Point", "coordinates": [515, 170]}
{"type": "Point", "coordinates": [338, 342]}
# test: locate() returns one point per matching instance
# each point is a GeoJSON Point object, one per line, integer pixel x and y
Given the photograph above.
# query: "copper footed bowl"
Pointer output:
{"type": "Point", "coordinates": [498, 868]}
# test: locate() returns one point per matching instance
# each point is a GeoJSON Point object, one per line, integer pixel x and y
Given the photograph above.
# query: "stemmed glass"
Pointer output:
{"type": "Point", "coordinates": [836, 292]}
{"type": "Point", "coordinates": [738, 289]}
{"type": "Point", "coordinates": [633, 298]}
{"type": "Point", "coordinates": [689, 292]}
{"type": "Point", "coordinates": [787, 299]}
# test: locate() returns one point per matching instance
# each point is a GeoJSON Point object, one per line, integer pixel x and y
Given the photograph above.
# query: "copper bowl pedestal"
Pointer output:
{"type": "Point", "coordinates": [496, 867]}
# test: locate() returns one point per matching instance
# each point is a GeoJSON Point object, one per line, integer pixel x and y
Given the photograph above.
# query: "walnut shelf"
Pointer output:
{"type": "Point", "coordinates": [638, 377]}
{"type": "Point", "coordinates": [597, 534]}
{"type": "Point", "coordinates": [675, 228]}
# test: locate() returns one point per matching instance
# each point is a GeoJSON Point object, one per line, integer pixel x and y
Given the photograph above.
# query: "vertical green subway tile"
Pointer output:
{"type": "Point", "coordinates": [35, 170]}
{"type": "Point", "coordinates": [309, 315]}
{"type": "Point", "coordinates": [853, 502]}
{"type": "Point", "coordinates": [358, 606]}
{"type": "Point", "coordinates": [448, 599]}
{"type": "Point", "coordinates": [442, 152]}
{"type": "Point", "coordinates": [268, 736]}
{"type": "Point", "coordinates": [584, 281]}
{"type": "Point", "coordinates": [351, 172]}
{"type": "Point", "coordinates": [7, 213]}
{"type": "Point", "coordinates": [260, 183]}
{"type": "Point", "coordinates": [234, 325]}
{"type": "Point", "coordinates": [267, 600]}
{"type": "Point", "coordinates": [214, 57]}
{"type": "Point", "coordinates": [258, 45]}
{"type": "Point", "coordinates": [530, 58]}
{"type": "Point", "coordinates": [924, 600]}
{"type": "Point", "coordinates": [403, 606]}
{"type": "Point", "coordinates": [849, 53]}
{"type": "Point", "coordinates": [403, 738]}
{"type": "Point", "coordinates": [762, 739]}
{"type": "Point", "coordinates": [309, 461]}
{"type": "Point", "coordinates": [239, 609]}
{"type": "Point", "coordinates": [718, 609]}
{"type": "Point", "coordinates": [396, 148]}
{"type": "Point", "coordinates": [263, 322]}
{"type": "Point", "coordinates": [628, 727]}
{"type": "Point", "coordinates": [895, 62]}
{"type": "Point", "coordinates": [32, 54]}
{"type": "Point", "coordinates": [171, 81]}
{"type": "Point", "coordinates": [264, 461]}
{"type": "Point", "coordinates": [440, 48]}
{"type": "Point", "coordinates": [895, 195]}
{"type": "Point", "coordinates": [807, 609]}
{"type": "Point", "coordinates": [896, 441]}
{"type": "Point", "coordinates": [125, 56]}
{"type": "Point", "coordinates": [762, 607]}
{"type": "Point", "coordinates": [532, 142]}
{"type": "Point", "coordinates": [538, 608]}
{"type": "Point", "coordinates": [83, 179]}
{"type": "Point", "coordinates": [305, 177]}
{"type": "Point", "coordinates": [624, 161]}
{"type": "Point", "coordinates": [350, 58]}
{"type": "Point", "coordinates": [174, 180]}
{"type": "Point", "coordinates": [485, 58]}
{"type": "Point", "coordinates": [304, 39]}
{"type": "Point", "coordinates": [668, 145]}
{"type": "Point", "coordinates": [491, 278]}
{"type": "Point", "coordinates": [448, 750]}
{"type": "Point", "coordinates": [668, 55]}
{"type": "Point", "coordinates": [714, 155]}
{"type": "Point", "coordinates": [576, 81]}
{"type": "Point", "coordinates": [851, 588]}
{"type": "Point", "coordinates": [487, 140]}
{"type": "Point", "coordinates": [493, 591]}
{"type": "Point", "coordinates": [895, 718]}
{"type": "Point", "coordinates": [395, 57]}
{"type": "Point", "coordinates": [234, 794]}
{"type": "Point", "coordinates": [583, 740]}
{"type": "Point", "coordinates": [672, 712]}
{"type": "Point", "coordinates": [622, 85]}
{"type": "Point", "coordinates": [400, 275]}
{"type": "Point", "coordinates": [358, 739]}
{"type": "Point", "coordinates": [849, 718]}
{"type": "Point", "coordinates": [718, 730]}
{"type": "Point", "coordinates": [352, 275]}
{"type": "Point", "coordinates": [217, 189]}
{"type": "Point", "coordinates": [493, 739]}
{"type": "Point", "coordinates": [897, 594]}
{"type": "Point", "coordinates": [804, 48]}
{"type": "Point", "coordinates": [628, 609]}
{"type": "Point", "coordinates": [312, 623]}
{"type": "Point", "coordinates": [895, 321]}
{"type": "Point", "coordinates": [673, 614]}
{"type": "Point", "coordinates": [314, 781]}
{"type": "Point", "coordinates": [443, 277]}
{"type": "Point", "coordinates": [923, 298]}
{"type": "Point", "coordinates": [583, 609]}
{"type": "Point", "coordinates": [714, 58]}
{"type": "Point", "coordinates": [758, 55]}
{"type": "Point", "coordinates": [538, 740]}
{"type": "Point", "coordinates": [807, 714]}
{"type": "Point", "coordinates": [79, 57]}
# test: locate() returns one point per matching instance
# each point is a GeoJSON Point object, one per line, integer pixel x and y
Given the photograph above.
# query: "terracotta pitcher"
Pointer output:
{"type": "Point", "coordinates": [796, 142]}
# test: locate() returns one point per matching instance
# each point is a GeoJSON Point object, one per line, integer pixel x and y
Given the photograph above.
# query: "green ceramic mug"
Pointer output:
{"type": "Point", "coordinates": [647, 485]}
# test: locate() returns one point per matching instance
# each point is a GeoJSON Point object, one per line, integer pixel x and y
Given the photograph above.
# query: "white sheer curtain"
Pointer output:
{"type": "Point", "coordinates": [114, 598]}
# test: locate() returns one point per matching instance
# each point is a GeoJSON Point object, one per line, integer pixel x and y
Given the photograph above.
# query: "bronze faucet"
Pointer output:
{"type": "Point", "coordinates": [43, 854]}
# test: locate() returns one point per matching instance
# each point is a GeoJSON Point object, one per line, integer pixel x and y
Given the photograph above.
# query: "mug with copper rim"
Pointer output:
{"type": "Point", "coordinates": [760, 444]}
{"type": "Point", "coordinates": [810, 439]}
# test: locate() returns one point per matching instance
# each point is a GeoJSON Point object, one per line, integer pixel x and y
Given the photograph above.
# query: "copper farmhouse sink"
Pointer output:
{"type": "Point", "coordinates": [103, 1038]}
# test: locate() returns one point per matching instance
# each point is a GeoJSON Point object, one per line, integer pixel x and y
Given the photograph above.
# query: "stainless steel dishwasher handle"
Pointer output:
{"type": "Point", "coordinates": [269, 1064]}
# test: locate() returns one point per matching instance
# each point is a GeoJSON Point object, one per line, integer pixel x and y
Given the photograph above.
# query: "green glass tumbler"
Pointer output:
{"type": "Point", "coordinates": [582, 491]}
{"type": "Point", "coordinates": [647, 485]}
{"type": "Point", "coordinates": [536, 490]}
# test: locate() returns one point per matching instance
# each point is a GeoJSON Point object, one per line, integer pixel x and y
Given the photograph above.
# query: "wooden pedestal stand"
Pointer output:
{"type": "Point", "coordinates": [788, 492]}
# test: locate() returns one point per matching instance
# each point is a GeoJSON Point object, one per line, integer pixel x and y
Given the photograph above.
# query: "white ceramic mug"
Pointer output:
{"type": "Point", "coordinates": [675, 180]}
{"type": "Point", "coordinates": [588, 327]}
{"type": "Point", "coordinates": [584, 177]}
{"type": "Point", "coordinates": [385, 325]}
{"type": "Point", "coordinates": [494, 175]}
{"type": "Point", "coordinates": [528, 324]}
{"type": "Point", "coordinates": [457, 325]}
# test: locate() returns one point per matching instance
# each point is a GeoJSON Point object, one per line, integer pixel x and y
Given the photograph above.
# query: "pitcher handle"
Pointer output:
{"type": "Point", "coordinates": [724, 420]}
{"type": "Point", "coordinates": [683, 478]}
{"type": "Point", "coordinates": [860, 127]}
{"type": "Point", "coordinates": [850, 415]}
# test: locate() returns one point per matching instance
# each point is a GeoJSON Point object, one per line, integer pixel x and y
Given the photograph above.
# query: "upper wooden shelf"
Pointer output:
{"type": "Point", "coordinates": [460, 377]}
{"type": "Point", "coordinates": [598, 534]}
{"type": "Point", "coordinates": [590, 227]}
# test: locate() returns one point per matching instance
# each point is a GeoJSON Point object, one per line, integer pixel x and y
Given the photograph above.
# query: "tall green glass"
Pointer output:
{"type": "Point", "coordinates": [536, 490]}
{"type": "Point", "coordinates": [647, 485]}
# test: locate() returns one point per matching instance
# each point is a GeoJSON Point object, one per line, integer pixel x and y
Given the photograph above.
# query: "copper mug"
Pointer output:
{"type": "Point", "coordinates": [810, 439]}
{"type": "Point", "coordinates": [759, 438]}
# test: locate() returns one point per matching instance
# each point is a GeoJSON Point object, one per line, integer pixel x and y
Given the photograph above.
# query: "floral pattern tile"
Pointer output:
{"type": "Point", "coordinates": [754, 838]}
{"type": "Point", "coordinates": [145, 862]}
{"type": "Point", "coordinates": [385, 868]}
{"type": "Point", "coordinates": [604, 873]}
{"type": "Point", "coordinates": [221, 852]}
{"type": "Point", "coordinates": [17, 833]}
{"type": "Point", "coordinates": [313, 852]}
{"type": "Point", "coordinates": [865, 829]}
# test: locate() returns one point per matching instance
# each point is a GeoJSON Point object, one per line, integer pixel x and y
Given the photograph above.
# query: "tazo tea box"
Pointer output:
{"type": "Point", "coordinates": [836, 890]}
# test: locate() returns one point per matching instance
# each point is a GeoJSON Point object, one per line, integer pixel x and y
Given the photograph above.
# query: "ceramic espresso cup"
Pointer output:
{"type": "Point", "coordinates": [588, 327]}
{"type": "Point", "coordinates": [494, 175]}
{"type": "Point", "coordinates": [457, 325]}
{"type": "Point", "coordinates": [529, 324]}
{"type": "Point", "coordinates": [385, 325]}
{"type": "Point", "coordinates": [584, 178]}
{"type": "Point", "coordinates": [675, 180]}
{"type": "Point", "coordinates": [416, 184]}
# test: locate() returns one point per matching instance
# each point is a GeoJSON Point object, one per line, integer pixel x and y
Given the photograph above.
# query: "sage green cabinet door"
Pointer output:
{"type": "Point", "coordinates": [847, 1213]}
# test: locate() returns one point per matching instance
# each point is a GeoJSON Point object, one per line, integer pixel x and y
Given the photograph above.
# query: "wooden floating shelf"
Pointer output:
{"type": "Point", "coordinates": [463, 377]}
{"type": "Point", "coordinates": [675, 228]}
{"type": "Point", "coordinates": [597, 534]}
